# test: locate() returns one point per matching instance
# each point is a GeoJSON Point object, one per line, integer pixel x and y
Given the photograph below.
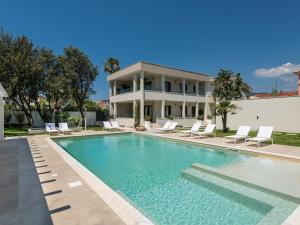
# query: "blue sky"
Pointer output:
{"type": "Point", "coordinates": [259, 39]}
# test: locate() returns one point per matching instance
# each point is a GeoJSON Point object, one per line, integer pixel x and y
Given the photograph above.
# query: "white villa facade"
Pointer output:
{"type": "Point", "coordinates": [156, 92]}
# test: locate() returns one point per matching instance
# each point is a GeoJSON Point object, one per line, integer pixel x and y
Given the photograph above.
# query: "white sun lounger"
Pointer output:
{"type": "Point", "coordinates": [50, 128]}
{"type": "Point", "coordinates": [196, 126]}
{"type": "Point", "coordinates": [264, 134]}
{"type": "Point", "coordinates": [165, 126]}
{"type": "Point", "coordinates": [107, 126]}
{"type": "Point", "coordinates": [209, 129]}
{"type": "Point", "coordinates": [242, 133]}
{"type": "Point", "coordinates": [63, 127]}
{"type": "Point", "coordinates": [171, 127]}
{"type": "Point", "coordinates": [115, 125]}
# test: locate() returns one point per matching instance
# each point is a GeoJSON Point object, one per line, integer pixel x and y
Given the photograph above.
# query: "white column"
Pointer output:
{"type": "Point", "coordinates": [162, 109]}
{"type": "Point", "coordinates": [111, 109]}
{"type": "Point", "coordinates": [2, 103]}
{"type": "Point", "coordinates": [142, 98]}
{"type": "Point", "coordinates": [134, 82]}
{"type": "Point", "coordinates": [197, 110]}
{"type": "Point", "coordinates": [163, 83]}
{"type": "Point", "coordinates": [197, 88]}
{"type": "Point", "coordinates": [115, 110]}
{"type": "Point", "coordinates": [183, 86]}
{"type": "Point", "coordinates": [115, 87]}
{"type": "Point", "coordinates": [110, 89]}
{"type": "Point", "coordinates": [134, 108]}
{"type": "Point", "coordinates": [183, 109]}
{"type": "Point", "coordinates": [205, 107]}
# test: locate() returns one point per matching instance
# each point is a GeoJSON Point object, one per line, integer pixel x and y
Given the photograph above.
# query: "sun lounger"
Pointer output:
{"type": "Point", "coordinates": [115, 125]}
{"type": "Point", "coordinates": [50, 128]}
{"type": "Point", "coordinates": [63, 127]}
{"type": "Point", "coordinates": [207, 131]}
{"type": "Point", "coordinates": [195, 128]}
{"type": "Point", "coordinates": [170, 128]}
{"type": "Point", "coordinates": [107, 126]}
{"type": "Point", "coordinates": [264, 134]}
{"type": "Point", "coordinates": [242, 133]}
{"type": "Point", "coordinates": [166, 126]}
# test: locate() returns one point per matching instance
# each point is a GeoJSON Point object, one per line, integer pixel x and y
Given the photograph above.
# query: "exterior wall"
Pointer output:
{"type": "Point", "coordinates": [38, 122]}
{"type": "Point", "coordinates": [1, 119]}
{"type": "Point", "coordinates": [282, 113]}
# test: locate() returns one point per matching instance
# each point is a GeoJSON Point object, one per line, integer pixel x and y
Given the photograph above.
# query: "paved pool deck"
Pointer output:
{"type": "Point", "coordinates": [37, 187]}
{"type": "Point", "coordinates": [40, 187]}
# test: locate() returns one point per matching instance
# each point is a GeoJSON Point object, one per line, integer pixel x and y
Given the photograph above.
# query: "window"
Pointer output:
{"type": "Point", "coordinates": [186, 110]}
{"type": "Point", "coordinates": [148, 85]}
{"type": "Point", "coordinates": [193, 111]}
{"type": "Point", "coordinates": [167, 110]}
{"type": "Point", "coordinates": [167, 86]}
{"type": "Point", "coordinates": [180, 88]}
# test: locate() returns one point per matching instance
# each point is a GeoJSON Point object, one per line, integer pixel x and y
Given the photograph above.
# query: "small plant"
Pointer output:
{"type": "Point", "coordinates": [148, 118]}
{"type": "Point", "coordinates": [73, 121]}
{"type": "Point", "coordinates": [200, 117]}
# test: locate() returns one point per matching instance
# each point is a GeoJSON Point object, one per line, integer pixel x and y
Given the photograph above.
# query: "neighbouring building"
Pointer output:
{"type": "Point", "coordinates": [103, 104]}
{"type": "Point", "coordinates": [155, 92]}
{"type": "Point", "coordinates": [298, 74]}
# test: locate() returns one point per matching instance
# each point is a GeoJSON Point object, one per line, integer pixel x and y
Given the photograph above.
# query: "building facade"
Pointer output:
{"type": "Point", "coordinates": [154, 92]}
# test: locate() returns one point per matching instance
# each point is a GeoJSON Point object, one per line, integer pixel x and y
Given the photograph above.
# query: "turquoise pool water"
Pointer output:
{"type": "Point", "coordinates": [148, 172]}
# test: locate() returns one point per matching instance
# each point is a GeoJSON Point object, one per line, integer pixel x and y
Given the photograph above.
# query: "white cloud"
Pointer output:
{"type": "Point", "coordinates": [280, 71]}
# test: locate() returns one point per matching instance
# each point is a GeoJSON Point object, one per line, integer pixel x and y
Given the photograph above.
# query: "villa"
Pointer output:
{"type": "Point", "coordinates": [156, 92]}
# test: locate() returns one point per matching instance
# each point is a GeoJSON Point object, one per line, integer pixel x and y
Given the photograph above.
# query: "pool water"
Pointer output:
{"type": "Point", "coordinates": [147, 171]}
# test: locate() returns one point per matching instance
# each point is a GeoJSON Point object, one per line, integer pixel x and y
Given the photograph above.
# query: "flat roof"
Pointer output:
{"type": "Point", "coordinates": [159, 69]}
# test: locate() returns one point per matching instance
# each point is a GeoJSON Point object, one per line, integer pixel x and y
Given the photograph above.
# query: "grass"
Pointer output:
{"type": "Point", "coordinates": [95, 128]}
{"type": "Point", "coordinates": [16, 131]}
{"type": "Point", "coordinates": [281, 138]}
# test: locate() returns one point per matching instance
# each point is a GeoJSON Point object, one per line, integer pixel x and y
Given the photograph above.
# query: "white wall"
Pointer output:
{"type": "Point", "coordinates": [282, 113]}
{"type": "Point", "coordinates": [1, 119]}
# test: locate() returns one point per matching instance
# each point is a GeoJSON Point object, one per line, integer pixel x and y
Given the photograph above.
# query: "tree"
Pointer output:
{"type": "Point", "coordinates": [80, 74]}
{"type": "Point", "coordinates": [222, 109]}
{"type": "Point", "coordinates": [241, 90]}
{"type": "Point", "coordinates": [53, 85]}
{"type": "Point", "coordinates": [111, 65]}
{"type": "Point", "coordinates": [18, 71]}
{"type": "Point", "coordinates": [228, 86]}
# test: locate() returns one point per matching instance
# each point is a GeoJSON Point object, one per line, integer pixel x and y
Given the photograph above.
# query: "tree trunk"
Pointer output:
{"type": "Point", "coordinates": [224, 121]}
{"type": "Point", "coordinates": [82, 116]}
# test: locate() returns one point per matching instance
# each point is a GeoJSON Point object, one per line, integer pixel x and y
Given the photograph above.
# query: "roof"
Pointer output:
{"type": "Point", "coordinates": [279, 94]}
{"type": "Point", "coordinates": [3, 93]}
{"type": "Point", "coordinates": [159, 69]}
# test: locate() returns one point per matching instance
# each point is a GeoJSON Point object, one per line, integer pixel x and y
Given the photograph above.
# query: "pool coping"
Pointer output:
{"type": "Point", "coordinates": [122, 207]}
{"type": "Point", "coordinates": [231, 148]}
{"type": "Point", "coordinates": [127, 212]}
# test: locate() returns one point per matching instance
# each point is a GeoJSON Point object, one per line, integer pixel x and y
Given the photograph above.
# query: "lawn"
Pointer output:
{"type": "Point", "coordinates": [16, 131]}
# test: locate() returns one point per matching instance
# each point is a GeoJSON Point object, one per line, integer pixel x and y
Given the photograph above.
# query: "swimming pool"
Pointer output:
{"type": "Point", "coordinates": [155, 176]}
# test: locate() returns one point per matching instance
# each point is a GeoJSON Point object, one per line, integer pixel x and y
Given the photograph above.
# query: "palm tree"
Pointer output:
{"type": "Point", "coordinates": [222, 109]}
{"type": "Point", "coordinates": [240, 88]}
{"type": "Point", "coordinates": [228, 86]}
{"type": "Point", "coordinates": [111, 65]}
{"type": "Point", "coordinates": [223, 84]}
